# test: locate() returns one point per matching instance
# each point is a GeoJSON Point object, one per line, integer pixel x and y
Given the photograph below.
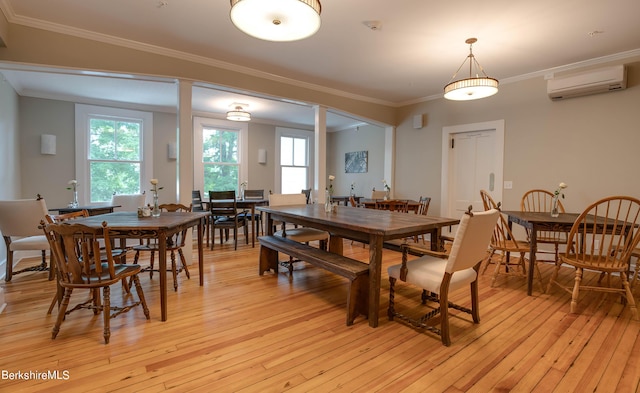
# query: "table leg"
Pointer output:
{"type": "Point", "coordinates": [201, 225]}
{"type": "Point", "coordinates": [162, 266]}
{"type": "Point", "coordinates": [532, 259]}
{"type": "Point", "coordinates": [375, 273]}
{"type": "Point", "coordinates": [253, 225]}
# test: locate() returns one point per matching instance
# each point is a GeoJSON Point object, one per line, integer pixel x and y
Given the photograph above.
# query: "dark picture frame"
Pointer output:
{"type": "Point", "coordinates": [356, 162]}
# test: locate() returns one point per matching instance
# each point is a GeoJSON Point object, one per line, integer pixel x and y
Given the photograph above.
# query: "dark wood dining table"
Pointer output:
{"type": "Point", "coordinates": [364, 225]}
{"type": "Point", "coordinates": [412, 206]}
{"type": "Point", "coordinates": [344, 199]}
{"type": "Point", "coordinates": [539, 221]}
{"type": "Point", "coordinates": [129, 225]}
{"type": "Point", "coordinates": [93, 210]}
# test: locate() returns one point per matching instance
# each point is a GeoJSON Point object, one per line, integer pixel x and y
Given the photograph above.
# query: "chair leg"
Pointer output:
{"type": "Point", "coordinates": [576, 290]}
{"type": "Point", "coordinates": [444, 318]}
{"type": "Point", "coordinates": [9, 267]}
{"type": "Point", "coordinates": [184, 263]}
{"type": "Point", "coordinates": [106, 313]}
{"type": "Point", "coordinates": [629, 296]}
{"type": "Point", "coordinates": [61, 312]}
{"type": "Point", "coordinates": [554, 275]}
{"type": "Point", "coordinates": [143, 301]}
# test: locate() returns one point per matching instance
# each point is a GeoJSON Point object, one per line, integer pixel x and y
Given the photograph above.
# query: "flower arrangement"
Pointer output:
{"type": "Point", "coordinates": [73, 185]}
{"type": "Point", "coordinates": [558, 192]}
{"type": "Point", "coordinates": [331, 179]}
{"type": "Point", "coordinates": [386, 186]}
{"type": "Point", "coordinates": [244, 184]}
{"type": "Point", "coordinates": [154, 186]}
{"type": "Point", "coordinates": [353, 187]}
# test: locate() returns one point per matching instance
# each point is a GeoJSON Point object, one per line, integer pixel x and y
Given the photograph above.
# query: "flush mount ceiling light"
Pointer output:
{"type": "Point", "coordinates": [277, 20]}
{"type": "Point", "coordinates": [473, 87]}
{"type": "Point", "coordinates": [238, 113]}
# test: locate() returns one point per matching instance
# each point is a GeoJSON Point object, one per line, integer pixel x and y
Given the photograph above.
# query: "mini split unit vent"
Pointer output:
{"type": "Point", "coordinates": [591, 82]}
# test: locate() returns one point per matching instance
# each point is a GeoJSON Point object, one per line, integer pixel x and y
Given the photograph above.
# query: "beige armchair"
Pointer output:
{"type": "Point", "coordinates": [19, 220]}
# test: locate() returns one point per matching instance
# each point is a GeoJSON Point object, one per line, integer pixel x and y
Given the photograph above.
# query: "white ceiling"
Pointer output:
{"type": "Point", "coordinates": [410, 58]}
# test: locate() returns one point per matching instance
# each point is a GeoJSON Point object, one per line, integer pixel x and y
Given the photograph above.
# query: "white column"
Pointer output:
{"type": "Point", "coordinates": [320, 153]}
{"type": "Point", "coordinates": [389, 157]}
{"type": "Point", "coordinates": [184, 137]}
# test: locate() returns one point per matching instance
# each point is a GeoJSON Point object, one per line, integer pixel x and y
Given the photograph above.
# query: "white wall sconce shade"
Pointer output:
{"type": "Point", "coordinates": [47, 144]}
{"type": "Point", "coordinates": [172, 151]}
{"type": "Point", "coordinates": [262, 156]}
{"type": "Point", "coordinates": [277, 20]}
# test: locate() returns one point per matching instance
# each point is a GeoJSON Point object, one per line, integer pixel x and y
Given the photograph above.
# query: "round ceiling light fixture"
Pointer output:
{"type": "Point", "coordinates": [473, 87]}
{"type": "Point", "coordinates": [238, 112]}
{"type": "Point", "coordinates": [277, 20]}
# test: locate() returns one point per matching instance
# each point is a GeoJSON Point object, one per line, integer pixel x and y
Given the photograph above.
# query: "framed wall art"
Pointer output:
{"type": "Point", "coordinates": [356, 162]}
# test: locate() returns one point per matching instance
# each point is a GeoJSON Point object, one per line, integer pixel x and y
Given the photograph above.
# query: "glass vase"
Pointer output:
{"type": "Point", "coordinates": [554, 207]}
{"type": "Point", "coordinates": [74, 203]}
{"type": "Point", "coordinates": [327, 201]}
{"type": "Point", "coordinates": [155, 212]}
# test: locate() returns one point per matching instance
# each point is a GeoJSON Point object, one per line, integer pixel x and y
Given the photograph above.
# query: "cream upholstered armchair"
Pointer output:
{"type": "Point", "coordinates": [19, 220]}
{"type": "Point", "coordinates": [438, 274]}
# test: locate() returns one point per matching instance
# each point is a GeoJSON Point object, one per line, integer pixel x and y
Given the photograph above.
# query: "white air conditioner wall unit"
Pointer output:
{"type": "Point", "coordinates": [601, 80]}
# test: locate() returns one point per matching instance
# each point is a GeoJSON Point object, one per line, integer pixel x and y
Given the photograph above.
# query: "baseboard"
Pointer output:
{"type": "Point", "coordinates": [3, 304]}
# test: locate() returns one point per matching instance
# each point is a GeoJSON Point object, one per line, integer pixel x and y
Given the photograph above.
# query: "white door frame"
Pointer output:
{"type": "Point", "coordinates": [498, 127]}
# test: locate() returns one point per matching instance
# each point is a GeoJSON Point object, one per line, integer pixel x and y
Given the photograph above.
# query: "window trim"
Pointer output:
{"type": "Point", "coordinates": [296, 133]}
{"type": "Point", "coordinates": [199, 123]}
{"type": "Point", "coordinates": [82, 115]}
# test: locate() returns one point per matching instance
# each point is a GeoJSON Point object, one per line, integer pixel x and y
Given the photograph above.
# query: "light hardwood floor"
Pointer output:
{"type": "Point", "coordinates": [245, 333]}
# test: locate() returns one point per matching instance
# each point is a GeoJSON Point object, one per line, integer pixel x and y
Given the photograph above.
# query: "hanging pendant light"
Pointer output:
{"type": "Point", "coordinates": [473, 87]}
{"type": "Point", "coordinates": [238, 113]}
{"type": "Point", "coordinates": [277, 20]}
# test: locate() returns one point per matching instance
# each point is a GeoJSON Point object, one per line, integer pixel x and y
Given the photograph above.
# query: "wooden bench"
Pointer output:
{"type": "Point", "coordinates": [357, 272]}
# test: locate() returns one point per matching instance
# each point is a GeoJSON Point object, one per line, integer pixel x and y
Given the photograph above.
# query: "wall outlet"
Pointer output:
{"type": "Point", "coordinates": [508, 184]}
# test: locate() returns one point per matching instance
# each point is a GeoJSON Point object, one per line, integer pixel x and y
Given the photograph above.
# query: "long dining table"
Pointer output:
{"type": "Point", "coordinates": [364, 225]}
{"type": "Point", "coordinates": [129, 225]}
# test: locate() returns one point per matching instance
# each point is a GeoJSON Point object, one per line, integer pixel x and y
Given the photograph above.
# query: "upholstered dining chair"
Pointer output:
{"type": "Point", "coordinates": [175, 243]}
{"type": "Point", "coordinates": [128, 203]}
{"type": "Point", "coordinates": [506, 244]}
{"type": "Point", "coordinates": [19, 220]}
{"type": "Point", "coordinates": [605, 236]}
{"type": "Point", "coordinates": [81, 265]}
{"type": "Point", "coordinates": [541, 201]}
{"type": "Point", "coordinates": [224, 215]}
{"type": "Point", "coordinates": [439, 274]}
{"type": "Point", "coordinates": [299, 234]}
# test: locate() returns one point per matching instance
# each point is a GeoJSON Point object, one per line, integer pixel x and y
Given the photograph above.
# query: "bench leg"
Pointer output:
{"type": "Point", "coordinates": [358, 298]}
{"type": "Point", "coordinates": [268, 260]}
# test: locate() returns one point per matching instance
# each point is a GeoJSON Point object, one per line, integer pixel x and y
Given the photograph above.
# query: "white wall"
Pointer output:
{"type": "Point", "coordinates": [591, 143]}
{"type": "Point", "coordinates": [369, 138]}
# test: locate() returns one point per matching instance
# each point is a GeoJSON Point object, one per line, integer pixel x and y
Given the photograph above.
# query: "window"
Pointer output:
{"type": "Point", "coordinates": [295, 160]}
{"type": "Point", "coordinates": [218, 158]}
{"type": "Point", "coordinates": [114, 152]}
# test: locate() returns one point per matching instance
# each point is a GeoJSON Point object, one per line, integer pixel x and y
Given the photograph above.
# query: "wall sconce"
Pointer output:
{"type": "Point", "coordinates": [48, 144]}
{"type": "Point", "coordinates": [172, 151]}
{"type": "Point", "coordinates": [262, 156]}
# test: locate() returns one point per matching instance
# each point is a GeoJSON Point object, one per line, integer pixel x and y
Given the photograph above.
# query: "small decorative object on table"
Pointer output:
{"type": "Point", "coordinates": [327, 201]}
{"type": "Point", "coordinates": [155, 211]}
{"type": "Point", "coordinates": [243, 186]}
{"type": "Point", "coordinates": [331, 179]}
{"type": "Point", "coordinates": [73, 186]}
{"type": "Point", "coordinates": [387, 190]}
{"type": "Point", "coordinates": [353, 192]}
{"type": "Point", "coordinates": [554, 203]}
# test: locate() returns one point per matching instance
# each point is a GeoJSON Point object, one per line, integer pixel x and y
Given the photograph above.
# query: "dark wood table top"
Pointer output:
{"type": "Point", "coordinates": [359, 223]}
{"type": "Point", "coordinates": [130, 220]}
{"type": "Point", "coordinates": [92, 209]}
